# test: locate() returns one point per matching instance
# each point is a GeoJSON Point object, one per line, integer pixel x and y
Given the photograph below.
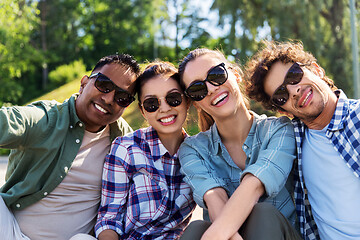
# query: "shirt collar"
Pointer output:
{"type": "Point", "coordinates": [216, 140]}
{"type": "Point", "coordinates": [74, 119]}
{"type": "Point", "coordinates": [157, 149]}
{"type": "Point", "coordinates": [341, 111]}
{"type": "Point", "coordinates": [250, 138]}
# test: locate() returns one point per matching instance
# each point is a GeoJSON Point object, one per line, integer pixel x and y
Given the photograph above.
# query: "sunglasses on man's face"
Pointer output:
{"type": "Point", "coordinates": [217, 76]}
{"type": "Point", "coordinates": [292, 77]}
{"type": "Point", "coordinates": [152, 104]}
{"type": "Point", "coordinates": [102, 83]}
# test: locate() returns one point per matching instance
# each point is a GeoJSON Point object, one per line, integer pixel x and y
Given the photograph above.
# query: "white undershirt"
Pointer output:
{"type": "Point", "coordinates": [334, 191]}
{"type": "Point", "coordinates": [72, 207]}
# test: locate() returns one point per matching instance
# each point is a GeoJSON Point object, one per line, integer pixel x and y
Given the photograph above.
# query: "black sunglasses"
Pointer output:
{"type": "Point", "coordinates": [102, 83]}
{"type": "Point", "coordinates": [292, 77]}
{"type": "Point", "coordinates": [152, 104]}
{"type": "Point", "coordinates": [216, 76]}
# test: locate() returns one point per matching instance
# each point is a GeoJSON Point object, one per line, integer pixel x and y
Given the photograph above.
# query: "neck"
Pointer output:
{"type": "Point", "coordinates": [325, 116]}
{"type": "Point", "coordinates": [235, 128]}
{"type": "Point", "coordinates": [172, 141]}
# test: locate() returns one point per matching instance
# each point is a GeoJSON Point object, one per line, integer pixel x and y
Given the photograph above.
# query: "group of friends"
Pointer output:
{"type": "Point", "coordinates": [78, 171]}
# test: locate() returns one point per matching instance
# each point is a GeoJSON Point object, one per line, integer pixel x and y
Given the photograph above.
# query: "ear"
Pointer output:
{"type": "Point", "coordinates": [83, 82]}
{"type": "Point", "coordinates": [318, 70]}
{"type": "Point", "coordinates": [237, 75]}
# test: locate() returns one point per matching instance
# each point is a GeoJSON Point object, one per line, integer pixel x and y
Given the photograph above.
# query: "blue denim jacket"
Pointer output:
{"type": "Point", "coordinates": [270, 150]}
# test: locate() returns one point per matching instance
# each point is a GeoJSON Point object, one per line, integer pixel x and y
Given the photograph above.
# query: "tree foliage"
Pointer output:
{"type": "Point", "coordinates": [18, 56]}
{"type": "Point", "coordinates": [38, 36]}
{"type": "Point", "coordinates": [323, 26]}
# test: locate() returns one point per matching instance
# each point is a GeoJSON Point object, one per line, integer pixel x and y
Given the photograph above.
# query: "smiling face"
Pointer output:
{"type": "Point", "coordinates": [97, 109]}
{"type": "Point", "coordinates": [166, 120]}
{"type": "Point", "coordinates": [308, 98]}
{"type": "Point", "coordinates": [222, 100]}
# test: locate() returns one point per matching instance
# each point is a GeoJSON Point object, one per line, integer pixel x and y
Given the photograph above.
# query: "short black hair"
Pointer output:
{"type": "Point", "coordinates": [125, 60]}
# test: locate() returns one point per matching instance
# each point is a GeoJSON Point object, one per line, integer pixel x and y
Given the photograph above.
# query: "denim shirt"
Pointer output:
{"type": "Point", "coordinates": [45, 138]}
{"type": "Point", "coordinates": [270, 150]}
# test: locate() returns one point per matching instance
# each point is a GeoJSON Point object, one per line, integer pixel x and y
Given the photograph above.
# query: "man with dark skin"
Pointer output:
{"type": "Point", "coordinates": [286, 78]}
{"type": "Point", "coordinates": [53, 180]}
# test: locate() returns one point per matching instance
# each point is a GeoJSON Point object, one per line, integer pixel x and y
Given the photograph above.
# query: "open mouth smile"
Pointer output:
{"type": "Point", "coordinates": [219, 99]}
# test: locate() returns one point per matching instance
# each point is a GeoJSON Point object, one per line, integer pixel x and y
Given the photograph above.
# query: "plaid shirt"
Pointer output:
{"type": "Point", "coordinates": [344, 133]}
{"type": "Point", "coordinates": [143, 192]}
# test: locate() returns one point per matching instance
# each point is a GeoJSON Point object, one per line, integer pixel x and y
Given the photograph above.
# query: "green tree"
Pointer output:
{"type": "Point", "coordinates": [18, 56]}
{"type": "Point", "coordinates": [118, 26]}
{"type": "Point", "coordinates": [184, 19]}
{"type": "Point", "coordinates": [323, 26]}
{"type": "Point", "coordinates": [58, 35]}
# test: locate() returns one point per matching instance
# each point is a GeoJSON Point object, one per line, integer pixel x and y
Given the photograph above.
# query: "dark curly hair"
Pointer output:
{"type": "Point", "coordinates": [260, 64]}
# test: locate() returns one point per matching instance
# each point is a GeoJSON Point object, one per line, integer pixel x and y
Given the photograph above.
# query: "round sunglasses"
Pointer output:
{"type": "Point", "coordinates": [292, 77]}
{"type": "Point", "coordinates": [102, 83]}
{"type": "Point", "coordinates": [217, 76]}
{"type": "Point", "coordinates": [152, 104]}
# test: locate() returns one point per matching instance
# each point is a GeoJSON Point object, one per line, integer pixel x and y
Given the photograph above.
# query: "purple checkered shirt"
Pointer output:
{"type": "Point", "coordinates": [143, 192]}
{"type": "Point", "coordinates": [344, 133]}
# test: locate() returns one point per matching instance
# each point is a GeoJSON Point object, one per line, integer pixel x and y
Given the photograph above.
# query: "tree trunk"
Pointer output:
{"type": "Point", "coordinates": [43, 14]}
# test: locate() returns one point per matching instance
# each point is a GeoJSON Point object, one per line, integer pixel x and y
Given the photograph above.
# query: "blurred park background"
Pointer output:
{"type": "Point", "coordinates": [46, 46]}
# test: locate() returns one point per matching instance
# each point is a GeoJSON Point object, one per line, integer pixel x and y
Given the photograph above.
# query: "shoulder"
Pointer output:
{"type": "Point", "coordinates": [119, 128]}
{"type": "Point", "coordinates": [133, 138]}
{"type": "Point", "coordinates": [203, 143]}
{"type": "Point", "coordinates": [200, 139]}
{"type": "Point", "coordinates": [123, 125]}
{"type": "Point", "coordinates": [265, 123]}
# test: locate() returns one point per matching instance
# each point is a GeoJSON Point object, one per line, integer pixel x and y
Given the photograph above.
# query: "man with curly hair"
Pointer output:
{"type": "Point", "coordinates": [286, 78]}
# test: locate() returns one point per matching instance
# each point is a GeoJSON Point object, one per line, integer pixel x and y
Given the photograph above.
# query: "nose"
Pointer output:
{"type": "Point", "coordinates": [293, 90]}
{"type": "Point", "coordinates": [164, 106]}
{"type": "Point", "coordinates": [108, 97]}
{"type": "Point", "coordinates": [211, 88]}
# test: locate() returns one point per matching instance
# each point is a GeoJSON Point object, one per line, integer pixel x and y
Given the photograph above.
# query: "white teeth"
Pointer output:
{"type": "Point", "coordinates": [307, 96]}
{"type": "Point", "coordinates": [100, 108]}
{"type": "Point", "coordinates": [168, 119]}
{"type": "Point", "coordinates": [217, 100]}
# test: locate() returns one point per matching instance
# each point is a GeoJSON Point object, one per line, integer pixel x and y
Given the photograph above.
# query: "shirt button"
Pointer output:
{"type": "Point", "coordinates": [77, 140]}
{"type": "Point", "coordinates": [245, 147]}
{"type": "Point", "coordinates": [18, 205]}
{"type": "Point", "coordinates": [45, 193]}
{"type": "Point", "coordinates": [80, 124]}
{"type": "Point", "coordinates": [71, 126]}
{"type": "Point", "coordinates": [66, 169]}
